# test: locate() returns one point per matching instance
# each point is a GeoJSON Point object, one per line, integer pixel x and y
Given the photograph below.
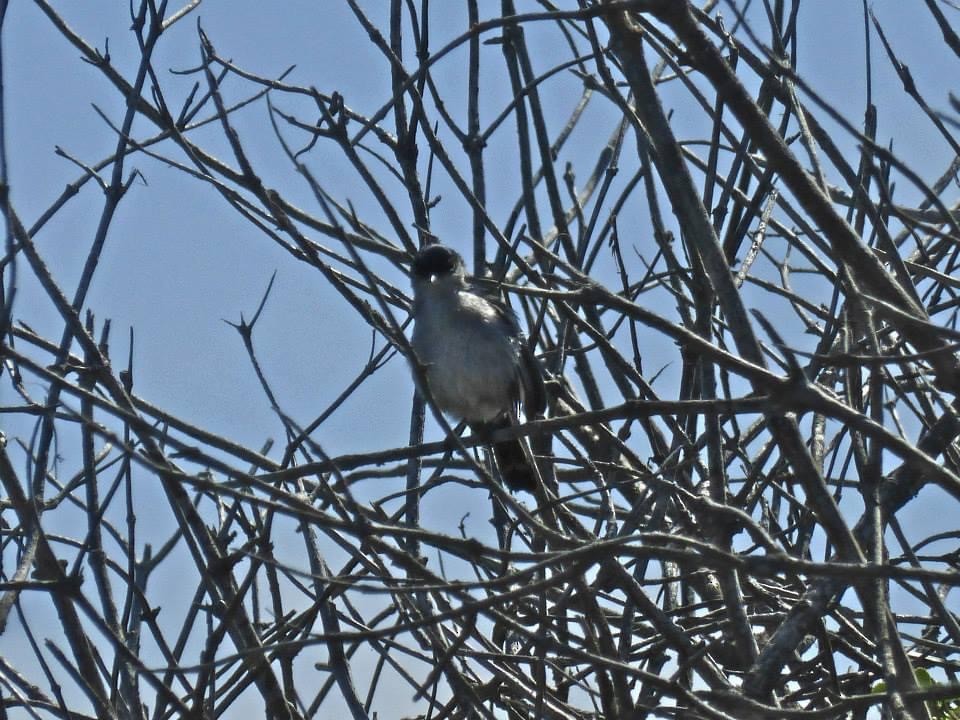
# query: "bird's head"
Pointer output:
{"type": "Point", "coordinates": [436, 265]}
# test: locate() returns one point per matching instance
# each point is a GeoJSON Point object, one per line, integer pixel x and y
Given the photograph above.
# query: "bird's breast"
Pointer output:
{"type": "Point", "coordinates": [470, 360]}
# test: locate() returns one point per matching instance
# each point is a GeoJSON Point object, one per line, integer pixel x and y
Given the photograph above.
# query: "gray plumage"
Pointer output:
{"type": "Point", "coordinates": [475, 358]}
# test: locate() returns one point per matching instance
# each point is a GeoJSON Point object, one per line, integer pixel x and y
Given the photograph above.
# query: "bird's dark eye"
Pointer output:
{"type": "Point", "coordinates": [435, 260]}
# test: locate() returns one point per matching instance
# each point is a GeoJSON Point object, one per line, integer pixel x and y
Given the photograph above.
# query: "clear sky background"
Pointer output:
{"type": "Point", "coordinates": [179, 261]}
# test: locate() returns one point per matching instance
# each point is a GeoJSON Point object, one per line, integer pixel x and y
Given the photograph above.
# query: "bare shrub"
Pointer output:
{"type": "Point", "coordinates": [744, 305]}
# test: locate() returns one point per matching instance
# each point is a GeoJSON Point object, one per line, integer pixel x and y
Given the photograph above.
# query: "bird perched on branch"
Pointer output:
{"type": "Point", "coordinates": [477, 363]}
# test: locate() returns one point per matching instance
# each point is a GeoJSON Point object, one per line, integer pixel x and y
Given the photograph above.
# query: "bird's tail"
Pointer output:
{"type": "Point", "coordinates": [512, 460]}
{"type": "Point", "coordinates": [513, 465]}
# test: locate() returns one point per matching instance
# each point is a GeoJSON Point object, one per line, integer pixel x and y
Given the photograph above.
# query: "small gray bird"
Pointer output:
{"type": "Point", "coordinates": [477, 363]}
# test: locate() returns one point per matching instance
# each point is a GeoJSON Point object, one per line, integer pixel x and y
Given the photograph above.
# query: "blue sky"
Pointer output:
{"type": "Point", "coordinates": [177, 248]}
{"type": "Point", "coordinates": [179, 261]}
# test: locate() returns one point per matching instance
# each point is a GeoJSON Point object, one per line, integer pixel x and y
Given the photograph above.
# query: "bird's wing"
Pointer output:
{"type": "Point", "coordinates": [531, 382]}
{"type": "Point", "coordinates": [529, 373]}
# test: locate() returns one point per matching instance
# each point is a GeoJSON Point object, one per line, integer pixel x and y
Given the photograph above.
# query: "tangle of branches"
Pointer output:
{"type": "Point", "coordinates": [745, 307]}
